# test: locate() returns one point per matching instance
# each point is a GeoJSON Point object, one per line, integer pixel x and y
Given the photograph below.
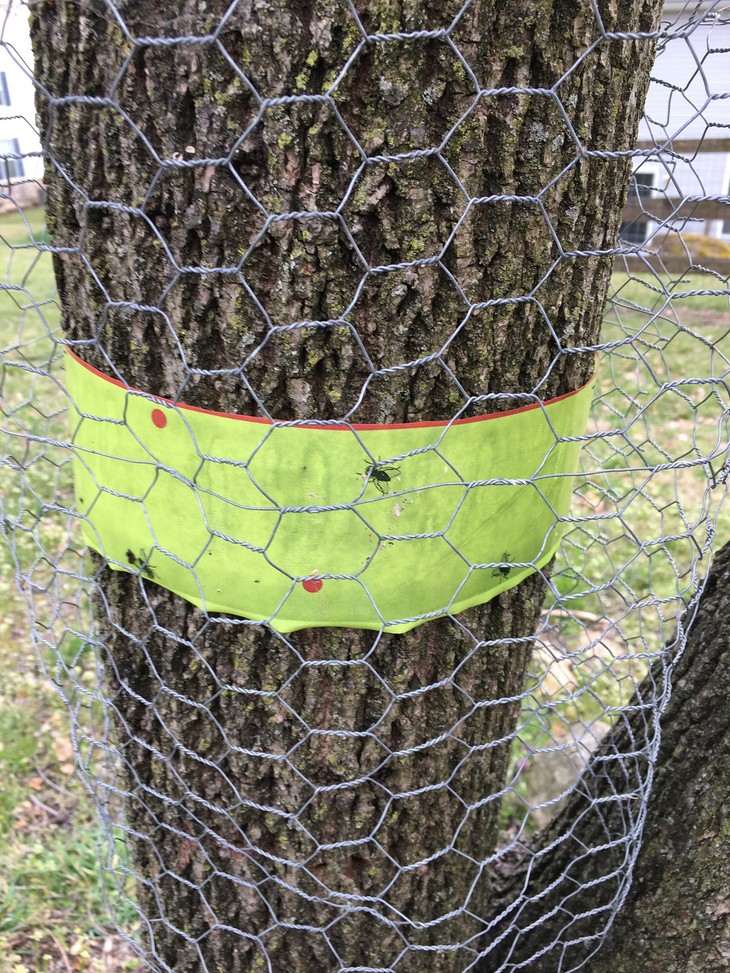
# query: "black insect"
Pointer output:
{"type": "Point", "coordinates": [503, 569]}
{"type": "Point", "coordinates": [141, 562]}
{"type": "Point", "coordinates": [381, 475]}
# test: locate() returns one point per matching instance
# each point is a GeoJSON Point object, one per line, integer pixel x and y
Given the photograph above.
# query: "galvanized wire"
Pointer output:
{"type": "Point", "coordinates": [647, 496]}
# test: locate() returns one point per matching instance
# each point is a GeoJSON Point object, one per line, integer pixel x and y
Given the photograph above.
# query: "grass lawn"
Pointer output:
{"type": "Point", "coordinates": [52, 914]}
{"type": "Point", "coordinates": [642, 511]}
{"type": "Point", "coordinates": [629, 567]}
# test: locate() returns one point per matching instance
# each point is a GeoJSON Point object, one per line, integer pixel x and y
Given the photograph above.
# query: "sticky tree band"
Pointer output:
{"type": "Point", "coordinates": [301, 525]}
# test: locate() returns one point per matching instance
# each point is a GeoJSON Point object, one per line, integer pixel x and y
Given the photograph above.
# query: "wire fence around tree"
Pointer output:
{"type": "Point", "coordinates": [278, 798]}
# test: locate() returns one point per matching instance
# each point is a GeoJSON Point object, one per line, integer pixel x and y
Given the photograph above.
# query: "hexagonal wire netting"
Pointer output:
{"type": "Point", "coordinates": [629, 563]}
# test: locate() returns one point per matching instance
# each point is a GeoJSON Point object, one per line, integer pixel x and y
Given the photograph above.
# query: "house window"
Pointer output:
{"type": "Point", "coordinates": [726, 223]}
{"type": "Point", "coordinates": [10, 168]}
{"type": "Point", "coordinates": [637, 230]}
{"type": "Point", "coordinates": [4, 93]}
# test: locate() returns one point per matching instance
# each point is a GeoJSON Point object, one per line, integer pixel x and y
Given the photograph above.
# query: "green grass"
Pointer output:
{"type": "Point", "coordinates": [656, 343]}
{"type": "Point", "coordinates": [50, 894]}
{"type": "Point", "coordinates": [52, 915]}
{"type": "Point", "coordinates": [618, 583]}
{"type": "Point", "coordinates": [621, 580]}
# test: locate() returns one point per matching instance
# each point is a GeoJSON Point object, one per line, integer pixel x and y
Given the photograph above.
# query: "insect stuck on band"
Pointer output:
{"type": "Point", "coordinates": [503, 569]}
{"type": "Point", "coordinates": [141, 562]}
{"type": "Point", "coordinates": [381, 475]}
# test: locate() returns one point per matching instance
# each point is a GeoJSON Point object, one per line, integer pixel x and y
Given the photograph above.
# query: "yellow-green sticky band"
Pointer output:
{"type": "Point", "coordinates": [359, 526]}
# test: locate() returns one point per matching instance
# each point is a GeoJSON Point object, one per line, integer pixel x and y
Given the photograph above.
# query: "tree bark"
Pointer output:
{"type": "Point", "coordinates": [675, 917]}
{"type": "Point", "coordinates": [179, 281]}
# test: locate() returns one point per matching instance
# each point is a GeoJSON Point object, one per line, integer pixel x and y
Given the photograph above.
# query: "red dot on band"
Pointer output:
{"type": "Point", "coordinates": [159, 418]}
{"type": "Point", "coordinates": [312, 585]}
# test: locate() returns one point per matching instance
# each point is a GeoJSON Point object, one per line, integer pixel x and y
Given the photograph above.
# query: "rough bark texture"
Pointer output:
{"type": "Point", "coordinates": [676, 917]}
{"type": "Point", "coordinates": [204, 707]}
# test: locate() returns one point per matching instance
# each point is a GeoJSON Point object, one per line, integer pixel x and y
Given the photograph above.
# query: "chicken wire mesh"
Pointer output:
{"type": "Point", "coordinates": [252, 819]}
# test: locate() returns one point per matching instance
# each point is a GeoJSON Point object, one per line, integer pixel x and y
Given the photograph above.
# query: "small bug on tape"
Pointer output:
{"type": "Point", "coordinates": [141, 562]}
{"type": "Point", "coordinates": [381, 475]}
{"type": "Point", "coordinates": [503, 569]}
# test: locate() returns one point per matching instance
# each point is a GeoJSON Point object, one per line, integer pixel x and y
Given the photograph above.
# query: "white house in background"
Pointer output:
{"type": "Point", "coordinates": [688, 102]}
{"type": "Point", "coordinates": [20, 159]}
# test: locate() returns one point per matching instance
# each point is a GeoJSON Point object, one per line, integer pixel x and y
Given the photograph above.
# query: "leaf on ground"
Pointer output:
{"type": "Point", "coordinates": [64, 749]}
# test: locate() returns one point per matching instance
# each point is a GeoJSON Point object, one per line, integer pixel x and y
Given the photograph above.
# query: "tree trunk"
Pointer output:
{"type": "Point", "coordinates": [676, 915]}
{"type": "Point", "coordinates": [172, 275]}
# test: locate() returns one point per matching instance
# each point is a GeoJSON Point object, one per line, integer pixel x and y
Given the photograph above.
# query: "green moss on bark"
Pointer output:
{"type": "Point", "coordinates": [228, 731]}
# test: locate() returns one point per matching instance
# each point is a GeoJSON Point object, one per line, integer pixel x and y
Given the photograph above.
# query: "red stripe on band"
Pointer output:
{"type": "Point", "coordinates": [336, 427]}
